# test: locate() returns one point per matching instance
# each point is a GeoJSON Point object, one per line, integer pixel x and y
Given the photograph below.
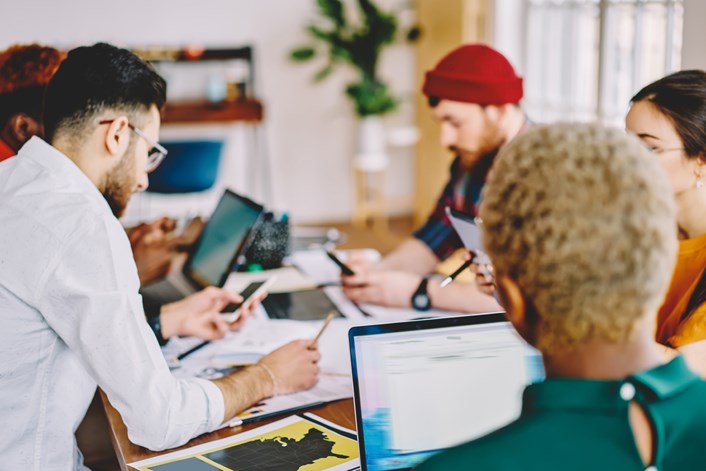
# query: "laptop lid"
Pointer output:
{"type": "Point", "coordinates": [224, 239]}
{"type": "Point", "coordinates": [426, 385]}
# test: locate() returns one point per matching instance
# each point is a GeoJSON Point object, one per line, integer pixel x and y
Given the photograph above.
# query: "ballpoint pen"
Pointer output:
{"type": "Point", "coordinates": [480, 258]}
{"type": "Point", "coordinates": [458, 271]}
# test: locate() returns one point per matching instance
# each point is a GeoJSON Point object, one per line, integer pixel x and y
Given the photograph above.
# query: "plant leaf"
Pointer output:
{"type": "Point", "coordinates": [302, 53]}
{"type": "Point", "coordinates": [332, 9]}
{"type": "Point", "coordinates": [323, 73]}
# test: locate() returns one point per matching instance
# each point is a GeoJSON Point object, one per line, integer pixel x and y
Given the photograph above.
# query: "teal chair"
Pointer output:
{"type": "Point", "coordinates": [190, 167]}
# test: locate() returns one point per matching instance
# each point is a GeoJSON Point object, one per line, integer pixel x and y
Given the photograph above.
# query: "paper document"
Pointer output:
{"type": "Point", "coordinates": [288, 279]}
{"type": "Point", "coordinates": [316, 264]}
{"type": "Point", "coordinates": [256, 339]}
{"type": "Point", "coordinates": [470, 234]}
{"type": "Point", "coordinates": [297, 442]}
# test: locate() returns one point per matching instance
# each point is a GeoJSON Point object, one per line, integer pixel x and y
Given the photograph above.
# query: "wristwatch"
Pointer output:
{"type": "Point", "coordinates": [420, 298]}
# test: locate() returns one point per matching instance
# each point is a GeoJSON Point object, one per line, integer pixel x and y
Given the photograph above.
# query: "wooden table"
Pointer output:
{"type": "Point", "coordinates": [339, 412]}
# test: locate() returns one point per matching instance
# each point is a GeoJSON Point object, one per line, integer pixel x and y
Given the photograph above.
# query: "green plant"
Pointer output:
{"type": "Point", "coordinates": [359, 45]}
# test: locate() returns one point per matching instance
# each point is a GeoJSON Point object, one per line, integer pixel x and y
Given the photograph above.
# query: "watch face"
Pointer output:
{"type": "Point", "coordinates": [421, 301]}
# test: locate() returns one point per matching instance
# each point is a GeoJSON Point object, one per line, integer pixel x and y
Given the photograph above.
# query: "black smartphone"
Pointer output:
{"type": "Point", "coordinates": [344, 268]}
{"type": "Point", "coordinates": [231, 312]}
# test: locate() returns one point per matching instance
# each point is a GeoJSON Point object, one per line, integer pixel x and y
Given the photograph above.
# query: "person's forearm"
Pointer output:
{"type": "Point", "coordinates": [244, 388]}
{"type": "Point", "coordinates": [463, 297]}
{"type": "Point", "coordinates": [412, 256]}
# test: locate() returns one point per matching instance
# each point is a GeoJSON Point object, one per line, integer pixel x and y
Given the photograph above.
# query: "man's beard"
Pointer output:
{"type": "Point", "coordinates": [120, 184]}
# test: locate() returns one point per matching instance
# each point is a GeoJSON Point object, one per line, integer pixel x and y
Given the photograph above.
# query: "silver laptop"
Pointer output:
{"type": "Point", "coordinates": [426, 385]}
{"type": "Point", "coordinates": [218, 251]}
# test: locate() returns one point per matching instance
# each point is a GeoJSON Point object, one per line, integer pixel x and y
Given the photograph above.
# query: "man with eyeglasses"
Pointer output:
{"type": "Point", "coordinates": [25, 71]}
{"type": "Point", "coordinates": [70, 313]}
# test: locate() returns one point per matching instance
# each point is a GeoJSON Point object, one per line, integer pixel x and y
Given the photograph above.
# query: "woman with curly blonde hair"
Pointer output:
{"type": "Point", "coordinates": [579, 223]}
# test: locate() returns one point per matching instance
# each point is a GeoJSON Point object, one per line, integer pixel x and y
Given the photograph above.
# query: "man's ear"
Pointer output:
{"type": "Point", "coordinates": [117, 137]}
{"type": "Point", "coordinates": [498, 113]}
{"type": "Point", "coordinates": [22, 127]}
{"type": "Point", "coordinates": [517, 309]}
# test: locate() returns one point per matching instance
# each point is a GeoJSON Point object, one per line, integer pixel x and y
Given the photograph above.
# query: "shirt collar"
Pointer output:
{"type": "Point", "coordinates": [59, 165]}
{"type": "Point", "coordinates": [608, 397]}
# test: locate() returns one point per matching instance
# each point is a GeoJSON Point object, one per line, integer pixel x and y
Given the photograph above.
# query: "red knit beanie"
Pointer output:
{"type": "Point", "coordinates": [474, 73]}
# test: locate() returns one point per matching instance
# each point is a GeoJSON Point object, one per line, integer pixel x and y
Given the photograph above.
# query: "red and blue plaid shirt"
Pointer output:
{"type": "Point", "coordinates": [462, 193]}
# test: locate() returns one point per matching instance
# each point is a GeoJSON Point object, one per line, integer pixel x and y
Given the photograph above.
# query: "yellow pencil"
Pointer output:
{"type": "Point", "coordinates": [312, 345]}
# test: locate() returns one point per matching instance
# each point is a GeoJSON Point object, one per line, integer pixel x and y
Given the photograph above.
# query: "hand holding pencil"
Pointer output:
{"type": "Point", "coordinates": [314, 343]}
{"type": "Point", "coordinates": [292, 367]}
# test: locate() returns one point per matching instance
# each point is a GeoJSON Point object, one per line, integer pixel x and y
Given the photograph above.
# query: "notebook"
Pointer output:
{"type": "Point", "coordinates": [218, 251]}
{"type": "Point", "coordinates": [426, 385]}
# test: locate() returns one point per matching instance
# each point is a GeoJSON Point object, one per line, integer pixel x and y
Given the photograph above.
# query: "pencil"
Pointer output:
{"type": "Point", "coordinates": [312, 345]}
{"type": "Point", "coordinates": [453, 275]}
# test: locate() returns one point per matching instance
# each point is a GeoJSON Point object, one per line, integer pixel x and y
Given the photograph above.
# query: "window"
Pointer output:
{"type": "Point", "coordinates": [585, 59]}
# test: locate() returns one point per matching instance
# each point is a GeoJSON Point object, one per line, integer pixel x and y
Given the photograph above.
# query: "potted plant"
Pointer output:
{"type": "Point", "coordinates": [344, 41]}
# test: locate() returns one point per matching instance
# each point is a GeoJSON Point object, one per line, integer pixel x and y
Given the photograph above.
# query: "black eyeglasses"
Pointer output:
{"type": "Point", "coordinates": [157, 152]}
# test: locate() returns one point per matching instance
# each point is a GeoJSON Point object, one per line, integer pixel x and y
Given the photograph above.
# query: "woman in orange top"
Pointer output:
{"type": "Point", "coordinates": [669, 115]}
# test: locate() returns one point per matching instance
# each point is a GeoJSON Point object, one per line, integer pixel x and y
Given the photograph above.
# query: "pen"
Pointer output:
{"type": "Point", "coordinates": [344, 268]}
{"type": "Point", "coordinates": [312, 345]}
{"type": "Point", "coordinates": [193, 349]}
{"type": "Point", "coordinates": [453, 275]}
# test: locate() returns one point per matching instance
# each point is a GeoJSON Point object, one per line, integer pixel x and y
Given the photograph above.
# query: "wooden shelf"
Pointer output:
{"type": "Point", "coordinates": [203, 111]}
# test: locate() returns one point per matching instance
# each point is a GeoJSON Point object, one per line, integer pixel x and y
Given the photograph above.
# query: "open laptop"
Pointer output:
{"type": "Point", "coordinates": [218, 251]}
{"type": "Point", "coordinates": [426, 385]}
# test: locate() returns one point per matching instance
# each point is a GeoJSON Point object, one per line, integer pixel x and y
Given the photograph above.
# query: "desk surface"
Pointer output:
{"type": "Point", "coordinates": [339, 412]}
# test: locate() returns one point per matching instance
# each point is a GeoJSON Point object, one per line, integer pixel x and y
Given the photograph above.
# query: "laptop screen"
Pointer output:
{"type": "Point", "coordinates": [226, 232]}
{"type": "Point", "coordinates": [427, 385]}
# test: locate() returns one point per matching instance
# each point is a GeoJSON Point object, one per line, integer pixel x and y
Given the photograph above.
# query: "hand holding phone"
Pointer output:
{"type": "Point", "coordinates": [344, 268]}
{"type": "Point", "coordinates": [231, 312]}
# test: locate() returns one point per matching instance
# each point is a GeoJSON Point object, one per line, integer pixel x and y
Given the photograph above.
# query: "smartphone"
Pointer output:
{"type": "Point", "coordinates": [231, 312]}
{"type": "Point", "coordinates": [344, 268]}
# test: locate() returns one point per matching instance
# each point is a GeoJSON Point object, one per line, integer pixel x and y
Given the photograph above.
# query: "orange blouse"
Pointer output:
{"type": "Point", "coordinates": [671, 328]}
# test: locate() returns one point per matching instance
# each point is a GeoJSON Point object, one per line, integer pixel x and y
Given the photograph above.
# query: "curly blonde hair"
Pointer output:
{"type": "Point", "coordinates": [582, 218]}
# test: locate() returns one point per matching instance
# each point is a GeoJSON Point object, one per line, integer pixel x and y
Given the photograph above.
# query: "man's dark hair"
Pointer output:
{"type": "Point", "coordinates": [94, 78]}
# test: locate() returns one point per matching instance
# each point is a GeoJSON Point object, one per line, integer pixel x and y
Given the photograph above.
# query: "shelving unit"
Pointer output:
{"type": "Point", "coordinates": [245, 108]}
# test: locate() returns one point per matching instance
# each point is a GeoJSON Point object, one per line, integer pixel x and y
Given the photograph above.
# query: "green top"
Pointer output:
{"type": "Point", "coordinates": [578, 424]}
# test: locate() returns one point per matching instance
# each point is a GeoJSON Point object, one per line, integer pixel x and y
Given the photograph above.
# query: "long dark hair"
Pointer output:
{"type": "Point", "coordinates": [681, 97]}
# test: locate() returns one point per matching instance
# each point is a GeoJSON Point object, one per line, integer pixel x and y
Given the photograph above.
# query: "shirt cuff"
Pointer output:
{"type": "Point", "coordinates": [216, 404]}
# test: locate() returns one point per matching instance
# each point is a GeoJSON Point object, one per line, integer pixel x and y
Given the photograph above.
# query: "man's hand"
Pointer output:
{"type": "Point", "coordinates": [150, 233]}
{"type": "Point", "coordinates": [294, 366]}
{"type": "Point", "coordinates": [288, 369]}
{"type": "Point", "coordinates": [152, 248]}
{"type": "Point", "coordinates": [484, 278]}
{"type": "Point", "coordinates": [386, 288]}
{"type": "Point", "coordinates": [200, 314]}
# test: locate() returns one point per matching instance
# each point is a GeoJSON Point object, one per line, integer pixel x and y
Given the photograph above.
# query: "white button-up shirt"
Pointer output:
{"type": "Point", "coordinates": [71, 317]}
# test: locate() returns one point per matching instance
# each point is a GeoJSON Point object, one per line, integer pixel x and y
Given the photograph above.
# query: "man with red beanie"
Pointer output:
{"type": "Point", "coordinates": [474, 93]}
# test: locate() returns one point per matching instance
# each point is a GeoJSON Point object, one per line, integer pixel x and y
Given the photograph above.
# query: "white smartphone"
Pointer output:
{"type": "Point", "coordinates": [231, 312]}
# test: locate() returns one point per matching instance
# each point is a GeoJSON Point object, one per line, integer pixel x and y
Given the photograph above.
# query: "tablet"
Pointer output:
{"type": "Point", "coordinates": [307, 305]}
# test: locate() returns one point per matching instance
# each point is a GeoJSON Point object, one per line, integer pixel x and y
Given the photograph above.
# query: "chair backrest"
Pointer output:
{"type": "Point", "coordinates": [190, 166]}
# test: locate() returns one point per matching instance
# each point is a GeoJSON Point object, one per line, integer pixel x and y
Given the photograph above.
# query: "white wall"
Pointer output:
{"type": "Point", "coordinates": [310, 127]}
{"type": "Point", "coordinates": [693, 50]}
